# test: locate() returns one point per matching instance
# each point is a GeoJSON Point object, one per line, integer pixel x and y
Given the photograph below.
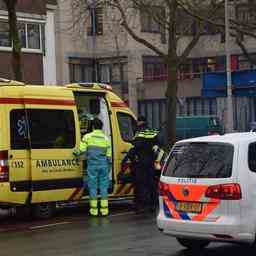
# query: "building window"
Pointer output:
{"type": "Point", "coordinates": [81, 73]}
{"type": "Point", "coordinates": [5, 40]}
{"type": "Point", "coordinates": [220, 63]}
{"type": "Point", "coordinates": [103, 70]}
{"type": "Point", "coordinates": [105, 73]}
{"type": "Point", "coordinates": [154, 69]}
{"type": "Point", "coordinates": [31, 35]}
{"type": "Point", "coordinates": [22, 34]}
{"type": "Point", "coordinates": [243, 62]}
{"type": "Point", "coordinates": [185, 71]}
{"type": "Point", "coordinates": [246, 13]}
{"type": "Point", "coordinates": [117, 70]}
{"type": "Point", "coordinates": [149, 18]}
{"type": "Point", "coordinates": [208, 64]}
{"type": "Point", "coordinates": [96, 22]}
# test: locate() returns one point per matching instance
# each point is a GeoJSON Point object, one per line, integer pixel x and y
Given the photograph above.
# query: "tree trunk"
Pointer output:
{"type": "Point", "coordinates": [171, 97]}
{"type": "Point", "coordinates": [14, 34]}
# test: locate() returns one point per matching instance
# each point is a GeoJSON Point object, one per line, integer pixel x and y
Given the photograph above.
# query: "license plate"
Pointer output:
{"type": "Point", "coordinates": [192, 207]}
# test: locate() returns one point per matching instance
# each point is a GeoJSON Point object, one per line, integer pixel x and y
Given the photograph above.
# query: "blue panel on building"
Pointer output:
{"type": "Point", "coordinates": [243, 83]}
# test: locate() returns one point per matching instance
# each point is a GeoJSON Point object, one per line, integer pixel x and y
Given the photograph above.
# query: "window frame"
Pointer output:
{"type": "Point", "coordinates": [118, 113]}
{"type": "Point", "coordinates": [28, 136]}
{"type": "Point", "coordinates": [244, 14]}
{"type": "Point", "coordinates": [99, 22]}
{"type": "Point", "coordinates": [27, 22]}
{"type": "Point", "coordinates": [147, 21]}
{"type": "Point", "coordinates": [158, 69]}
{"type": "Point", "coordinates": [248, 157]}
{"type": "Point", "coordinates": [177, 147]}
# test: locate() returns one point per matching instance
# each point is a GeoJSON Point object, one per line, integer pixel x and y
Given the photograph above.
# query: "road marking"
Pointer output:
{"type": "Point", "coordinates": [50, 225]}
{"type": "Point", "coordinates": [37, 227]}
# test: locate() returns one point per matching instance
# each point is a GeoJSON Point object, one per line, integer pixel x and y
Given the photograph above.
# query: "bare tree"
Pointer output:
{"type": "Point", "coordinates": [242, 24]}
{"type": "Point", "coordinates": [169, 15]}
{"type": "Point", "coordinates": [14, 35]}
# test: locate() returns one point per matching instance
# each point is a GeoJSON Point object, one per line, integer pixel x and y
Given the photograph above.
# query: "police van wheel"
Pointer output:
{"type": "Point", "coordinates": [43, 210]}
{"type": "Point", "coordinates": [193, 244]}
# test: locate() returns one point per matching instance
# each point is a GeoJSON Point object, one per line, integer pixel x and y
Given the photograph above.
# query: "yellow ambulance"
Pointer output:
{"type": "Point", "coordinates": [40, 126]}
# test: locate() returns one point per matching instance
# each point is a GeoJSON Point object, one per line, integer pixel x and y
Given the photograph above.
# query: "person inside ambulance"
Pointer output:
{"type": "Point", "coordinates": [96, 147]}
{"type": "Point", "coordinates": [85, 121]}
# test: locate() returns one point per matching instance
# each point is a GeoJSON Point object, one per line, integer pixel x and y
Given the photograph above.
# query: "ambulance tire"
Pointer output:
{"type": "Point", "coordinates": [43, 211]}
{"type": "Point", "coordinates": [23, 212]}
{"type": "Point", "coordinates": [193, 244]}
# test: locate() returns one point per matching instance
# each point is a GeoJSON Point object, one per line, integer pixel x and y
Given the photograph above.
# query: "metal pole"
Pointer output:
{"type": "Point", "coordinates": [230, 121]}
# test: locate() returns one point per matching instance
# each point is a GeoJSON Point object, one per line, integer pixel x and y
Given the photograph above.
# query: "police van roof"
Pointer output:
{"type": "Point", "coordinates": [233, 138]}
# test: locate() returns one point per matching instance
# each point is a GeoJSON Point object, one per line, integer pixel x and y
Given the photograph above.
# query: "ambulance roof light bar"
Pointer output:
{"type": "Point", "coordinates": [4, 81]}
{"type": "Point", "coordinates": [91, 85]}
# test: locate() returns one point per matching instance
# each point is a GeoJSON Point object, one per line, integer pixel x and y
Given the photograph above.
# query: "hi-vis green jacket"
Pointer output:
{"type": "Point", "coordinates": [97, 147]}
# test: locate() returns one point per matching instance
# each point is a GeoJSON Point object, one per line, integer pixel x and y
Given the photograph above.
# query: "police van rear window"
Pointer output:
{"type": "Point", "coordinates": [200, 160]}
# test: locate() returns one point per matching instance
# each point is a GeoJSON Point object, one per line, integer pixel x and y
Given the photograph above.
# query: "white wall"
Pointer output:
{"type": "Point", "coordinates": [49, 60]}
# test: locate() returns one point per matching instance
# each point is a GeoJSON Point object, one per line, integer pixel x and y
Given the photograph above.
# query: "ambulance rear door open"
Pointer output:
{"type": "Point", "coordinates": [125, 127]}
{"type": "Point", "coordinates": [91, 105]}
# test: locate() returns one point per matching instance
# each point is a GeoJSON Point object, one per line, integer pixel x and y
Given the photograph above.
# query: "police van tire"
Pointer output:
{"type": "Point", "coordinates": [43, 210]}
{"type": "Point", "coordinates": [193, 244]}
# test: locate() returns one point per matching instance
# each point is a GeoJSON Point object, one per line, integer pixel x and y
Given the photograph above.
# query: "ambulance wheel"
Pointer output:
{"type": "Point", "coordinates": [43, 210]}
{"type": "Point", "coordinates": [22, 212]}
{"type": "Point", "coordinates": [193, 244]}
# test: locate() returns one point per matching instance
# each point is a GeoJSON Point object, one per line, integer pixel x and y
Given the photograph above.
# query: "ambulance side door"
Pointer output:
{"type": "Point", "coordinates": [19, 164]}
{"type": "Point", "coordinates": [125, 128]}
{"type": "Point", "coordinates": [55, 174]}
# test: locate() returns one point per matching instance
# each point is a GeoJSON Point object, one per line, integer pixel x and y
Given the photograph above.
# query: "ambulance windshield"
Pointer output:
{"type": "Point", "coordinates": [200, 160]}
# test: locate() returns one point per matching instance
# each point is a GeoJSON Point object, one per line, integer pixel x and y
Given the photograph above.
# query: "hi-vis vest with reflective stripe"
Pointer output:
{"type": "Point", "coordinates": [147, 134]}
{"type": "Point", "coordinates": [159, 153]}
{"type": "Point", "coordinates": [97, 146]}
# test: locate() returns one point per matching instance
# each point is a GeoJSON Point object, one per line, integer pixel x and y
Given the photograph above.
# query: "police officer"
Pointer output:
{"type": "Point", "coordinates": [97, 149]}
{"type": "Point", "coordinates": [142, 157]}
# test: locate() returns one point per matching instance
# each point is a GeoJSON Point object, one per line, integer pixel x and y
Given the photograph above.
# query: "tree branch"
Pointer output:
{"type": "Point", "coordinates": [244, 50]}
{"type": "Point", "coordinates": [198, 34]}
{"type": "Point", "coordinates": [133, 34]}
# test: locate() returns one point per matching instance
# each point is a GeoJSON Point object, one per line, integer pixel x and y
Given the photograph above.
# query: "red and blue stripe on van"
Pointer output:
{"type": "Point", "coordinates": [173, 193]}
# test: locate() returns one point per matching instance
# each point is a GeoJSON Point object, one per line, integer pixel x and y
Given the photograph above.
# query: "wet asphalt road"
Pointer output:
{"type": "Point", "coordinates": [74, 234]}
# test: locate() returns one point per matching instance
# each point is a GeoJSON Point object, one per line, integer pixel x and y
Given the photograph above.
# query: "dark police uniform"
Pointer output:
{"type": "Point", "coordinates": [142, 157]}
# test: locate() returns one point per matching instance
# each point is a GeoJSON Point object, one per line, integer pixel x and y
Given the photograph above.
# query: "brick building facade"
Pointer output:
{"type": "Point", "coordinates": [37, 33]}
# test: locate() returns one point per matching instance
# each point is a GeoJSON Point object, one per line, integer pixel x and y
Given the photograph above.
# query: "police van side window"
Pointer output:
{"type": "Point", "coordinates": [252, 157]}
{"type": "Point", "coordinates": [47, 129]}
{"type": "Point", "coordinates": [127, 126]}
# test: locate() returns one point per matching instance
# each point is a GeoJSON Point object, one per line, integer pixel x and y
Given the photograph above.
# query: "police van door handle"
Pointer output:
{"type": "Point", "coordinates": [124, 152]}
{"type": "Point", "coordinates": [11, 156]}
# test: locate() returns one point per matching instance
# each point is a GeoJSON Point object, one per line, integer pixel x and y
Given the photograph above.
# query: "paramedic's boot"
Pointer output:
{"type": "Point", "coordinates": [104, 207]}
{"type": "Point", "coordinates": [93, 207]}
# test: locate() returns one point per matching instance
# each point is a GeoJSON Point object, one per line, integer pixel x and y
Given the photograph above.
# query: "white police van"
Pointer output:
{"type": "Point", "coordinates": [208, 190]}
